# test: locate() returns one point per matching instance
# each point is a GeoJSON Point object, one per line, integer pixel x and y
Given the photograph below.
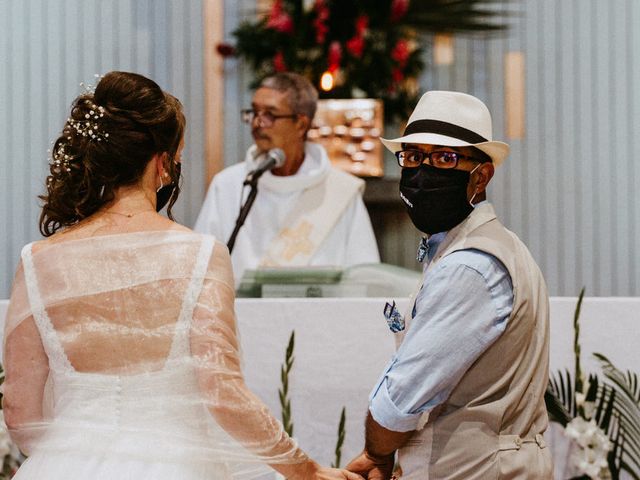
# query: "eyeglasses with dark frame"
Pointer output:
{"type": "Point", "coordinates": [266, 118]}
{"type": "Point", "coordinates": [438, 158]}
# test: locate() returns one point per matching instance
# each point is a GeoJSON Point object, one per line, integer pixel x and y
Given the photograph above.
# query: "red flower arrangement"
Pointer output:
{"type": "Point", "coordinates": [279, 64]}
{"type": "Point", "coordinates": [334, 56]}
{"type": "Point", "coordinates": [399, 9]}
{"type": "Point", "coordinates": [372, 48]}
{"type": "Point", "coordinates": [279, 20]}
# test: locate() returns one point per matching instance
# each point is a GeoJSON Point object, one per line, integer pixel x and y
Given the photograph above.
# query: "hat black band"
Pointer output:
{"type": "Point", "coordinates": [444, 128]}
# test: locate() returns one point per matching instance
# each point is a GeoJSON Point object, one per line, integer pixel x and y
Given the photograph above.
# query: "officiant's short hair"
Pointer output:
{"type": "Point", "coordinates": [302, 95]}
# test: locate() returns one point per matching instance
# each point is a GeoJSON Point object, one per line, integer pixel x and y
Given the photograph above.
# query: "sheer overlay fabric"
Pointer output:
{"type": "Point", "coordinates": [125, 347]}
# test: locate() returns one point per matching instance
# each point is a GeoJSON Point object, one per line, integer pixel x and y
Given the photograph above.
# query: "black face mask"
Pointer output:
{"type": "Point", "coordinates": [436, 198]}
{"type": "Point", "coordinates": [164, 193]}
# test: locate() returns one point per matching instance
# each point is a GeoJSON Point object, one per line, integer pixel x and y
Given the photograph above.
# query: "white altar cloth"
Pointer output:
{"type": "Point", "coordinates": [342, 345]}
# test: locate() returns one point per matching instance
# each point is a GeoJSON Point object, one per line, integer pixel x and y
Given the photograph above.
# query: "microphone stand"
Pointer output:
{"type": "Point", "coordinates": [244, 210]}
{"type": "Point", "coordinates": [275, 158]}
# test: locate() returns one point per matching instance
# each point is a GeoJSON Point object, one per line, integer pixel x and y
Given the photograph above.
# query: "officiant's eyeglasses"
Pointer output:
{"type": "Point", "coordinates": [266, 119]}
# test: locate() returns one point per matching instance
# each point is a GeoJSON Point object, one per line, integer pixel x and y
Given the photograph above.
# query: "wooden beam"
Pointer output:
{"type": "Point", "coordinates": [514, 89]}
{"type": "Point", "coordinates": [263, 5]}
{"type": "Point", "coordinates": [443, 49]}
{"type": "Point", "coordinates": [213, 18]}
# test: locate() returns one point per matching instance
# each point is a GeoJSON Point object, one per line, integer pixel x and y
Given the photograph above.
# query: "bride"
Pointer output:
{"type": "Point", "coordinates": [121, 354]}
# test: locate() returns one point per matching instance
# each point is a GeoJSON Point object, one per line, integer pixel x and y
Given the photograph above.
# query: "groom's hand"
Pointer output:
{"type": "Point", "coordinates": [372, 467]}
{"type": "Point", "coordinates": [335, 474]}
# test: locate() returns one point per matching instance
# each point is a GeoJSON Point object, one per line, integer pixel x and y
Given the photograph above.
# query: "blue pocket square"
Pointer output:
{"type": "Point", "coordinates": [395, 320]}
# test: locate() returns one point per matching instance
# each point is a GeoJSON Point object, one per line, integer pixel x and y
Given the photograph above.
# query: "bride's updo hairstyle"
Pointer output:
{"type": "Point", "coordinates": [106, 143]}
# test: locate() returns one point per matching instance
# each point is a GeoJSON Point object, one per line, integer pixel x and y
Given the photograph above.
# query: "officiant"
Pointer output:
{"type": "Point", "coordinates": [306, 211]}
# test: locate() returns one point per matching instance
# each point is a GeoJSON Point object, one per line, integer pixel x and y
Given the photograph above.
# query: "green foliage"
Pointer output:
{"type": "Point", "coordinates": [456, 15]}
{"type": "Point", "coordinates": [616, 403]}
{"type": "Point", "coordinates": [373, 48]}
{"type": "Point", "coordinates": [283, 392]}
{"type": "Point", "coordinates": [340, 441]}
{"type": "Point", "coordinates": [559, 398]}
{"type": "Point", "coordinates": [285, 402]}
{"type": "Point", "coordinates": [625, 416]}
{"type": "Point", "coordinates": [576, 346]}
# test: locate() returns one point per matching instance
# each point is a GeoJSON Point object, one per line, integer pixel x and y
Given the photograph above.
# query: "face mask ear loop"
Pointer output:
{"type": "Point", "coordinates": [161, 182]}
{"type": "Point", "coordinates": [476, 190]}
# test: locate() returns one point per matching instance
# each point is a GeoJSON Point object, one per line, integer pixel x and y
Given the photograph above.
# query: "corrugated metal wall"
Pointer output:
{"type": "Point", "coordinates": [237, 94]}
{"type": "Point", "coordinates": [47, 47]}
{"type": "Point", "coordinates": [571, 188]}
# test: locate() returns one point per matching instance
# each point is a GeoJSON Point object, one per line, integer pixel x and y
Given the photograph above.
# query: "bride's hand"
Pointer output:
{"type": "Point", "coordinates": [335, 474]}
{"type": "Point", "coordinates": [312, 471]}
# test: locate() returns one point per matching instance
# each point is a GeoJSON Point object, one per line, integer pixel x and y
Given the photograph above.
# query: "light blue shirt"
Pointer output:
{"type": "Point", "coordinates": [459, 313]}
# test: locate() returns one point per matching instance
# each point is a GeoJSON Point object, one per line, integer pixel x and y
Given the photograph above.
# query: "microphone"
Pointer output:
{"type": "Point", "coordinates": [274, 158]}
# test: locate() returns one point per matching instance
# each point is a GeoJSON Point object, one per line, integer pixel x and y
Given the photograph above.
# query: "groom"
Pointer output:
{"type": "Point", "coordinates": [463, 397]}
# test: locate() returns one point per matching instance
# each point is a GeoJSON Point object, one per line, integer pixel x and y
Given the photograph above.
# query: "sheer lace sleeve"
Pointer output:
{"type": "Point", "coordinates": [215, 347]}
{"type": "Point", "coordinates": [26, 369]}
{"type": "Point", "coordinates": [130, 341]}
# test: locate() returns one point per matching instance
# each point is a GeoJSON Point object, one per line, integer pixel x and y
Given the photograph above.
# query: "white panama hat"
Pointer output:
{"type": "Point", "coordinates": [451, 119]}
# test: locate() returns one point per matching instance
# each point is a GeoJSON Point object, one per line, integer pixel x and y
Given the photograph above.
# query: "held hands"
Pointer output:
{"type": "Point", "coordinates": [372, 467]}
{"type": "Point", "coordinates": [335, 474]}
{"type": "Point", "coordinates": [312, 471]}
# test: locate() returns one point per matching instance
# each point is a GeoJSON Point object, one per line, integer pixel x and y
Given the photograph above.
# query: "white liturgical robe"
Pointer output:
{"type": "Point", "coordinates": [349, 239]}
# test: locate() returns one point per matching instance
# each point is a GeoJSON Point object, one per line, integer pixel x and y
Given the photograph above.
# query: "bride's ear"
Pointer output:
{"type": "Point", "coordinates": [160, 161]}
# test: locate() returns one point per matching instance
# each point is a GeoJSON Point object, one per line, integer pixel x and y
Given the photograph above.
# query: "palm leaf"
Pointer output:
{"type": "Point", "coordinates": [576, 343]}
{"type": "Point", "coordinates": [283, 392]}
{"type": "Point", "coordinates": [603, 397]}
{"type": "Point", "coordinates": [561, 387]}
{"type": "Point", "coordinates": [626, 408]}
{"type": "Point", "coordinates": [616, 401]}
{"type": "Point", "coordinates": [340, 440]}
{"type": "Point", "coordinates": [555, 407]}
{"type": "Point", "coordinates": [632, 473]}
{"type": "Point", "coordinates": [470, 15]}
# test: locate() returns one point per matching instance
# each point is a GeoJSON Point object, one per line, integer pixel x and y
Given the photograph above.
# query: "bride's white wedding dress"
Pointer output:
{"type": "Point", "coordinates": [125, 347]}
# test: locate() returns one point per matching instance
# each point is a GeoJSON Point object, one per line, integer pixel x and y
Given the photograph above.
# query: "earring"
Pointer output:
{"type": "Point", "coordinates": [161, 185]}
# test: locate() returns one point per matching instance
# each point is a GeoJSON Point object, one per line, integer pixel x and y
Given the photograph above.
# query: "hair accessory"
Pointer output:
{"type": "Point", "coordinates": [61, 159]}
{"type": "Point", "coordinates": [89, 126]}
{"type": "Point", "coordinates": [90, 88]}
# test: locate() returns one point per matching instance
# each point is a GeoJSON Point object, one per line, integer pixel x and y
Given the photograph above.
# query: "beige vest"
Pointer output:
{"type": "Point", "coordinates": [491, 425]}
